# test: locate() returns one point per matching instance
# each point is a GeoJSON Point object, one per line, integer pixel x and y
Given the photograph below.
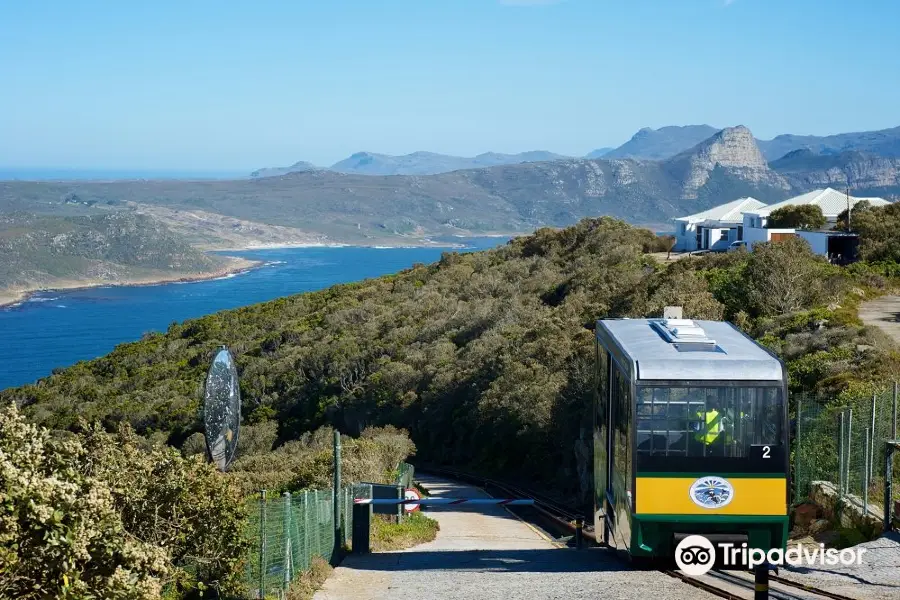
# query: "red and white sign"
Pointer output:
{"type": "Point", "coordinates": [411, 494]}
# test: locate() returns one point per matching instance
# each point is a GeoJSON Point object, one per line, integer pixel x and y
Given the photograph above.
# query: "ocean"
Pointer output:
{"type": "Point", "coordinates": [58, 329]}
{"type": "Point", "coordinates": [63, 174]}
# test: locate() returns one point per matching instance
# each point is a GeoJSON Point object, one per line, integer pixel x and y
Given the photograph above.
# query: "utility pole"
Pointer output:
{"type": "Point", "coordinates": [848, 210]}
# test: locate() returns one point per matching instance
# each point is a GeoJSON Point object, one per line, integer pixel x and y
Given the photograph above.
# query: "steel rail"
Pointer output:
{"type": "Point", "coordinates": [809, 588]}
{"type": "Point", "coordinates": [707, 587]}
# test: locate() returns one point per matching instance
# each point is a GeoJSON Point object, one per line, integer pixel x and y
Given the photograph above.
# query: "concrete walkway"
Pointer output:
{"type": "Point", "coordinates": [485, 552]}
{"type": "Point", "coordinates": [883, 313]}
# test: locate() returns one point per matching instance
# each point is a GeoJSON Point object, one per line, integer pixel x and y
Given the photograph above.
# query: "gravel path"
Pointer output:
{"type": "Point", "coordinates": [883, 313]}
{"type": "Point", "coordinates": [487, 553]}
{"type": "Point", "coordinates": [877, 578]}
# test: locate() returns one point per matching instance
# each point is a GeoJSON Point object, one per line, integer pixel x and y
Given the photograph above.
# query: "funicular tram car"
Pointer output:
{"type": "Point", "coordinates": [690, 437]}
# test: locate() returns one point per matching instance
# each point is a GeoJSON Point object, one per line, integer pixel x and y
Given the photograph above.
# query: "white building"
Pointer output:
{"type": "Point", "coordinates": [834, 244]}
{"type": "Point", "coordinates": [714, 229]}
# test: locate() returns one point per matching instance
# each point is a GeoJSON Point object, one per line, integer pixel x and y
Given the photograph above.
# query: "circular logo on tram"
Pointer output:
{"type": "Point", "coordinates": [711, 492]}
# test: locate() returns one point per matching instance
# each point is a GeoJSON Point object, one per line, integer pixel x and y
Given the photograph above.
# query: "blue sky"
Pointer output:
{"type": "Point", "coordinates": [235, 85]}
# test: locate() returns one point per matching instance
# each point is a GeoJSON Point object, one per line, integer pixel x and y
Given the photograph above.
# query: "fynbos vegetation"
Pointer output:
{"type": "Point", "coordinates": [487, 358]}
{"type": "Point", "coordinates": [98, 515]}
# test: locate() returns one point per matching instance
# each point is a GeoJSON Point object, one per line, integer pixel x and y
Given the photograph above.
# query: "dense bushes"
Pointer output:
{"type": "Point", "coordinates": [486, 357]}
{"type": "Point", "coordinates": [307, 461]}
{"type": "Point", "coordinates": [879, 231]}
{"type": "Point", "coordinates": [96, 515]}
{"type": "Point", "coordinates": [797, 216]}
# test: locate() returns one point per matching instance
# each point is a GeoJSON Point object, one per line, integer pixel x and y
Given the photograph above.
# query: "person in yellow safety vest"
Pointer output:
{"type": "Point", "coordinates": [711, 426]}
{"type": "Point", "coordinates": [715, 427]}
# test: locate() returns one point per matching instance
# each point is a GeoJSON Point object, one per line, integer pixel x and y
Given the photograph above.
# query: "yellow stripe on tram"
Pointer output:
{"type": "Point", "coordinates": [671, 496]}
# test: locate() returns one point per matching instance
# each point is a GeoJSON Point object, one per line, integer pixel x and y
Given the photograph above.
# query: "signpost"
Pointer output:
{"type": "Point", "coordinates": [411, 494]}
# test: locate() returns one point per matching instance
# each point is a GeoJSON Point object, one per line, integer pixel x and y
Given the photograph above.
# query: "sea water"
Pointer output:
{"type": "Point", "coordinates": [58, 329]}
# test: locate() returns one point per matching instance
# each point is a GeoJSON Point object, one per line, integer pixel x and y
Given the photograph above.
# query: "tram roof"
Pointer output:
{"type": "Point", "coordinates": [733, 357]}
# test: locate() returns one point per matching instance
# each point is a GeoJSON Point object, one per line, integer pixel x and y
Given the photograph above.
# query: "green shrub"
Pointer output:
{"type": "Point", "coordinates": [306, 463]}
{"type": "Point", "coordinates": [61, 533]}
{"type": "Point", "coordinates": [783, 277]}
{"type": "Point", "coordinates": [97, 515]}
{"type": "Point", "coordinates": [797, 216]}
{"type": "Point", "coordinates": [185, 506]}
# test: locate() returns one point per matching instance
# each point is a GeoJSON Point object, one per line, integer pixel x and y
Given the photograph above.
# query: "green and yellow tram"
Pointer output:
{"type": "Point", "coordinates": [690, 436]}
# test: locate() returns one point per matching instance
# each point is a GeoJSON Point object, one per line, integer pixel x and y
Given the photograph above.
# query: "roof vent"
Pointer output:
{"type": "Point", "coordinates": [682, 331]}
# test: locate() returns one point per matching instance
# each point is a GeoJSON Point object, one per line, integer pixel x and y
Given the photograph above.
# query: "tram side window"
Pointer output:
{"type": "Point", "coordinates": [621, 400]}
{"type": "Point", "coordinates": [709, 421]}
{"type": "Point", "coordinates": [602, 392]}
{"type": "Point", "coordinates": [601, 423]}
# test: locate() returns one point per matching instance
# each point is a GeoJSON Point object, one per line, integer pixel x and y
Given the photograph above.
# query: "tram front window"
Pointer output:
{"type": "Point", "coordinates": [707, 421]}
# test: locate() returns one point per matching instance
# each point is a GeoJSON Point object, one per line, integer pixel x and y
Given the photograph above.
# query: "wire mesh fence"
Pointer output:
{"type": "Point", "coordinates": [289, 531]}
{"type": "Point", "coordinates": [843, 443]}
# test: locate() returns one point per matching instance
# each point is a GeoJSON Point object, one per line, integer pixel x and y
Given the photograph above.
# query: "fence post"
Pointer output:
{"type": "Point", "coordinates": [849, 447]}
{"type": "Point", "coordinates": [866, 461]}
{"type": "Point", "coordinates": [889, 484]}
{"type": "Point", "coordinates": [286, 583]}
{"type": "Point", "coordinates": [318, 522]}
{"type": "Point", "coordinates": [262, 545]}
{"type": "Point", "coordinates": [799, 453]}
{"type": "Point", "coordinates": [336, 506]}
{"type": "Point", "coordinates": [307, 552]}
{"type": "Point", "coordinates": [841, 481]}
{"type": "Point", "coordinates": [872, 441]}
{"type": "Point", "coordinates": [894, 414]}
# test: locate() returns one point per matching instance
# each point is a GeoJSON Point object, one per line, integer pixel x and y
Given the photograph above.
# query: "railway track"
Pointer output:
{"type": "Point", "coordinates": [558, 518]}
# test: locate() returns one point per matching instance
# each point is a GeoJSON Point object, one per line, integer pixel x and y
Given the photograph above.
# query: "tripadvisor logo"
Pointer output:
{"type": "Point", "coordinates": [695, 555]}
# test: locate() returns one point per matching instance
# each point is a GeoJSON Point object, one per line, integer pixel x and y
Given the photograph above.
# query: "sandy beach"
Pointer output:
{"type": "Point", "coordinates": [11, 297]}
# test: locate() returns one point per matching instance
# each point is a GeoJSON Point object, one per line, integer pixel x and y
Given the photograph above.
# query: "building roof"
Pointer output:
{"type": "Point", "coordinates": [732, 212]}
{"type": "Point", "coordinates": [832, 202]}
{"type": "Point", "coordinates": [733, 357]}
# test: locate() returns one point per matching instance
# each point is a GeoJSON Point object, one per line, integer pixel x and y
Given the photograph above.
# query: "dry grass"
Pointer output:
{"type": "Point", "coordinates": [310, 581]}
{"type": "Point", "coordinates": [415, 529]}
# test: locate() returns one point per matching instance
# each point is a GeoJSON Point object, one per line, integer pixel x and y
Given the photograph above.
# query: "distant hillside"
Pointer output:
{"type": "Point", "coordinates": [357, 208]}
{"type": "Point", "coordinates": [417, 163]}
{"type": "Point", "coordinates": [646, 144]}
{"type": "Point", "coordinates": [884, 143]}
{"type": "Point", "coordinates": [51, 251]}
{"type": "Point", "coordinates": [430, 163]}
{"type": "Point", "coordinates": [864, 173]}
{"type": "Point", "coordinates": [599, 152]}
{"type": "Point", "coordinates": [662, 143]}
{"type": "Point", "coordinates": [297, 167]}
{"type": "Point", "coordinates": [666, 142]}
{"type": "Point", "coordinates": [506, 198]}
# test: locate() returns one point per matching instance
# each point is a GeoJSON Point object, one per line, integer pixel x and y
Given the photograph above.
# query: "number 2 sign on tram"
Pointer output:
{"type": "Point", "coordinates": [411, 494]}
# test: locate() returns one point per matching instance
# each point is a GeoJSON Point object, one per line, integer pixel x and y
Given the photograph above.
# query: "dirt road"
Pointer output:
{"type": "Point", "coordinates": [487, 553]}
{"type": "Point", "coordinates": [883, 313]}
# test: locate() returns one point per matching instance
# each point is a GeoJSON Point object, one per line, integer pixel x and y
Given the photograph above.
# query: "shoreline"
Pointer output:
{"type": "Point", "coordinates": [416, 243]}
{"type": "Point", "coordinates": [236, 266]}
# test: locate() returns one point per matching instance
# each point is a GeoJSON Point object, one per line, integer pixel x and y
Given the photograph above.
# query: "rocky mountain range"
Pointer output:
{"type": "Point", "coordinates": [662, 143]}
{"type": "Point", "coordinates": [359, 208]}
{"type": "Point", "coordinates": [417, 163]}
{"type": "Point", "coordinates": [646, 144]}
{"type": "Point", "coordinates": [666, 142]}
